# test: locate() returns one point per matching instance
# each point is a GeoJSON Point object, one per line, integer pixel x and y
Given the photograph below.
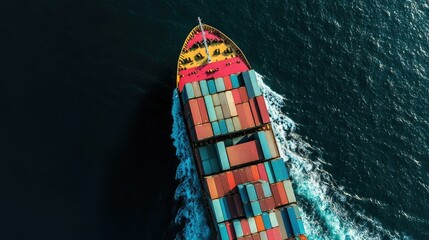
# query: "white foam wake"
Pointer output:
{"type": "Point", "coordinates": [323, 217]}
{"type": "Point", "coordinates": [191, 214]}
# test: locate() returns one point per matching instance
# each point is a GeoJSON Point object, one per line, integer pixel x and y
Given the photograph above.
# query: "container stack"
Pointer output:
{"type": "Point", "coordinates": [222, 106]}
{"type": "Point", "coordinates": [245, 180]}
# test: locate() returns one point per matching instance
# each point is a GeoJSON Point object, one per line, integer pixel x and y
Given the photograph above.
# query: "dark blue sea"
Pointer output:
{"type": "Point", "coordinates": [91, 146]}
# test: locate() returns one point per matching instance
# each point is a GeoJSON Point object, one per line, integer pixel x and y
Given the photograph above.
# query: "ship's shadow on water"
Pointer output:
{"type": "Point", "coordinates": [140, 184]}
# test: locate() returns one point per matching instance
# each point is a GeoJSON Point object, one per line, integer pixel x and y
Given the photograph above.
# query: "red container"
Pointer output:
{"type": "Point", "coordinates": [243, 94]}
{"type": "Point", "coordinates": [255, 112]}
{"type": "Point", "coordinates": [259, 190]}
{"type": "Point", "coordinates": [243, 153]}
{"type": "Point", "coordinates": [256, 236]}
{"type": "Point", "coordinates": [236, 96]}
{"type": "Point", "coordinates": [263, 109]}
{"type": "Point", "coordinates": [262, 171]}
{"type": "Point", "coordinates": [203, 110]}
{"type": "Point", "coordinates": [230, 229]}
{"type": "Point", "coordinates": [243, 175]}
{"type": "Point", "coordinates": [195, 111]}
{"type": "Point", "coordinates": [248, 237]}
{"type": "Point", "coordinates": [274, 234]}
{"type": "Point", "coordinates": [203, 131]}
{"type": "Point", "coordinates": [224, 181]}
{"type": "Point", "coordinates": [245, 115]}
{"type": "Point", "coordinates": [219, 187]}
{"type": "Point", "coordinates": [276, 194]}
{"type": "Point", "coordinates": [267, 204]}
{"type": "Point", "coordinates": [282, 193]}
{"type": "Point", "coordinates": [245, 226]}
{"type": "Point", "coordinates": [231, 181]}
{"type": "Point", "coordinates": [249, 175]}
{"type": "Point", "coordinates": [211, 186]}
{"type": "Point", "coordinates": [227, 83]}
{"type": "Point", "coordinates": [237, 177]}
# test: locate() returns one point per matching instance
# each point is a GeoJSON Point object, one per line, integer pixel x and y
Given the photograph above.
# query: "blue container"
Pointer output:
{"type": "Point", "coordinates": [293, 220]}
{"type": "Point", "coordinates": [237, 228]}
{"type": "Point", "coordinates": [280, 171]}
{"type": "Point", "coordinates": [300, 226]}
{"type": "Point", "coordinates": [222, 155]}
{"type": "Point", "coordinates": [234, 80]}
{"type": "Point", "coordinates": [223, 231]}
{"type": "Point", "coordinates": [243, 193]}
{"type": "Point", "coordinates": [225, 211]}
{"type": "Point", "coordinates": [266, 220]}
{"type": "Point", "coordinates": [223, 127]}
{"type": "Point", "coordinates": [220, 85]}
{"type": "Point", "coordinates": [256, 208]}
{"type": "Point", "coordinates": [207, 167]}
{"type": "Point", "coordinates": [266, 188]}
{"type": "Point", "coordinates": [251, 83]}
{"type": "Point", "coordinates": [251, 192]}
{"type": "Point", "coordinates": [212, 86]}
{"type": "Point", "coordinates": [210, 108]}
{"type": "Point", "coordinates": [252, 225]}
{"type": "Point", "coordinates": [229, 125]}
{"type": "Point", "coordinates": [264, 145]}
{"type": "Point", "coordinates": [216, 129]}
{"type": "Point", "coordinates": [269, 172]}
{"type": "Point", "coordinates": [286, 222]}
{"type": "Point", "coordinates": [214, 163]}
{"type": "Point", "coordinates": [297, 212]}
{"type": "Point", "coordinates": [217, 209]}
{"type": "Point", "coordinates": [204, 88]}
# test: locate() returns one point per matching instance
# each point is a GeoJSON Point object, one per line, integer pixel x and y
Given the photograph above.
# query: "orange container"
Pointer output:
{"type": "Point", "coordinates": [249, 174]}
{"type": "Point", "coordinates": [245, 115]}
{"type": "Point", "coordinates": [242, 153]}
{"type": "Point", "coordinates": [203, 110]}
{"type": "Point", "coordinates": [237, 177]}
{"type": "Point", "coordinates": [211, 186]}
{"type": "Point", "coordinates": [236, 96]}
{"type": "Point", "coordinates": [263, 109]}
{"type": "Point", "coordinates": [282, 193]}
{"type": "Point", "coordinates": [227, 83]}
{"type": "Point", "coordinates": [243, 175]}
{"type": "Point", "coordinates": [219, 187]}
{"type": "Point", "coordinates": [195, 111]}
{"type": "Point", "coordinates": [259, 223]}
{"type": "Point", "coordinates": [243, 94]}
{"type": "Point", "coordinates": [255, 172]}
{"type": "Point", "coordinates": [203, 131]}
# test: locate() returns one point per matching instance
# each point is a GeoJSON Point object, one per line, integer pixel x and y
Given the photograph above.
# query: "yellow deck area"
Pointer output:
{"type": "Point", "coordinates": [223, 49]}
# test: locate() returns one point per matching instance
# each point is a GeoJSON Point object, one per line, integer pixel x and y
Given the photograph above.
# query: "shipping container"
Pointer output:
{"type": "Point", "coordinates": [204, 88]}
{"type": "Point", "coordinates": [224, 104]}
{"type": "Point", "coordinates": [289, 191]}
{"type": "Point", "coordinates": [223, 231]}
{"type": "Point", "coordinates": [217, 209]}
{"type": "Point", "coordinates": [264, 144]}
{"type": "Point", "coordinates": [237, 228]}
{"type": "Point", "coordinates": [219, 113]}
{"type": "Point", "coordinates": [222, 155]}
{"type": "Point", "coordinates": [255, 112]}
{"type": "Point", "coordinates": [210, 108]}
{"type": "Point", "coordinates": [216, 100]}
{"type": "Point", "coordinates": [227, 83]}
{"type": "Point", "coordinates": [222, 126]}
{"type": "Point", "coordinates": [203, 131]}
{"type": "Point", "coordinates": [251, 192]}
{"type": "Point", "coordinates": [256, 208]}
{"type": "Point", "coordinates": [252, 225]}
{"type": "Point", "coordinates": [195, 112]}
{"type": "Point", "coordinates": [231, 103]}
{"type": "Point", "coordinates": [212, 86]}
{"type": "Point", "coordinates": [211, 186]}
{"type": "Point", "coordinates": [216, 129]}
{"type": "Point", "coordinates": [251, 84]}
{"type": "Point", "coordinates": [243, 94]}
{"type": "Point", "coordinates": [188, 92]}
{"type": "Point", "coordinates": [202, 109]}
{"type": "Point", "coordinates": [230, 229]}
{"type": "Point", "coordinates": [229, 125]}
{"type": "Point", "coordinates": [236, 96]}
{"type": "Point", "coordinates": [245, 226]}
{"type": "Point", "coordinates": [242, 153]}
{"type": "Point", "coordinates": [245, 115]}
{"type": "Point", "coordinates": [279, 169]}
{"type": "Point", "coordinates": [266, 220]}
{"type": "Point", "coordinates": [259, 223]}
{"type": "Point", "coordinates": [234, 80]}
{"type": "Point", "coordinates": [220, 86]}
{"type": "Point", "coordinates": [268, 204]}
{"type": "Point", "coordinates": [262, 171]}
{"type": "Point", "coordinates": [236, 123]}
{"type": "Point", "coordinates": [263, 110]}
{"type": "Point", "coordinates": [196, 89]}
{"type": "Point", "coordinates": [272, 144]}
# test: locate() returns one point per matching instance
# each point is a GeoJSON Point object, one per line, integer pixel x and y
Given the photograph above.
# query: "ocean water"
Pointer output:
{"type": "Point", "coordinates": [92, 146]}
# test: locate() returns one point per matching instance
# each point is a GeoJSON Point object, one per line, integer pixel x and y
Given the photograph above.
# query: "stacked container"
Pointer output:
{"type": "Point", "coordinates": [245, 181]}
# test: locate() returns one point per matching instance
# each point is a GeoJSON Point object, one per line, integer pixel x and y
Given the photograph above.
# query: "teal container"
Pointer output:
{"type": "Point", "coordinates": [266, 220]}
{"type": "Point", "coordinates": [251, 192]}
{"type": "Point", "coordinates": [210, 108]}
{"type": "Point", "coordinates": [204, 88]}
{"type": "Point", "coordinates": [286, 222]}
{"type": "Point", "coordinates": [222, 155]}
{"type": "Point", "coordinates": [234, 80]}
{"type": "Point", "coordinates": [256, 208]}
{"type": "Point", "coordinates": [264, 145]}
{"type": "Point", "coordinates": [217, 209]}
{"type": "Point", "coordinates": [229, 125]}
{"type": "Point", "coordinates": [216, 129]}
{"type": "Point", "coordinates": [279, 168]}
{"type": "Point", "coordinates": [269, 171]}
{"type": "Point", "coordinates": [225, 211]}
{"type": "Point", "coordinates": [220, 85]}
{"type": "Point", "coordinates": [223, 231]}
{"type": "Point", "coordinates": [300, 226]}
{"type": "Point", "coordinates": [214, 163]}
{"type": "Point", "coordinates": [266, 188]}
{"type": "Point", "coordinates": [251, 84]}
{"type": "Point", "coordinates": [273, 219]}
{"type": "Point", "coordinates": [212, 86]}
{"type": "Point", "coordinates": [207, 168]}
{"type": "Point", "coordinates": [223, 127]}
{"type": "Point", "coordinates": [237, 228]}
{"type": "Point", "coordinates": [293, 220]}
{"type": "Point", "coordinates": [189, 91]}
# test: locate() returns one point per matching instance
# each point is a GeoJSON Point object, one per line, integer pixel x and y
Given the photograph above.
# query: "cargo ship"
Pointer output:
{"type": "Point", "coordinates": [246, 187]}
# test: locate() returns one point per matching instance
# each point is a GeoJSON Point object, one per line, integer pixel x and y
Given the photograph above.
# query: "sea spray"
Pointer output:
{"type": "Point", "coordinates": [191, 214]}
{"type": "Point", "coordinates": [323, 218]}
